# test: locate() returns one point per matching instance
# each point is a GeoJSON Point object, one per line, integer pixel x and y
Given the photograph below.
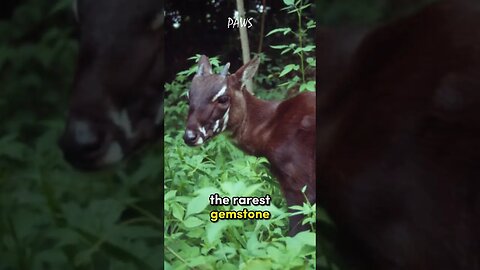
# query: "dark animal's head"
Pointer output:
{"type": "Point", "coordinates": [116, 105]}
{"type": "Point", "coordinates": [214, 100]}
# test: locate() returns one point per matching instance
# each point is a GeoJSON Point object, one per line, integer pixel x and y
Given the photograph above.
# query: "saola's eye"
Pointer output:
{"type": "Point", "coordinates": [223, 99]}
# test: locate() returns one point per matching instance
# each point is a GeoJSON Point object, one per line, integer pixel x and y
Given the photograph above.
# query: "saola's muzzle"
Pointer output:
{"type": "Point", "coordinates": [194, 138]}
{"type": "Point", "coordinates": [190, 137]}
{"type": "Point", "coordinates": [88, 146]}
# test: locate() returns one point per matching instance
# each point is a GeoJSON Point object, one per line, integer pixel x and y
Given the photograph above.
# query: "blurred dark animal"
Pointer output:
{"type": "Point", "coordinates": [117, 101]}
{"type": "Point", "coordinates": [398, 139]}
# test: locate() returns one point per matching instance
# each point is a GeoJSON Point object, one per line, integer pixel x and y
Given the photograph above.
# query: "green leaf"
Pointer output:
{"type": "Point", "coordinates": [296, 207]}
{"type": "Point", "coordinates": [279, 47]}
{"type": "Point", "coordinates": [215, 230]}
{"type": "Point", "coordinates": [257, 264]}
{"type": "Point", "coordinates": [286, 50]}
{"type": "Point", "coordinates": [285, 31]}
{"type": "Point", "coordinates": [251, 189]}
{"type": "Point", "coordinates": [197, 205]}
{"type": "Point", "coordinates": [311, 24]}
{"type": "Point", "coordinates": [308, 48]}
{"type": "Point", "coordinates": [113, 250]}
{"type": "Point", "coordinates": [308, 86]}
{"type": "Point", "coordinates": [192, 222]}
{"type": "Point", "coordinates": [306, 238]}
{"type": "Point", "coordinates": [288, 68]}
{"type": "Point", "coordinates": [170, 195]}
{"type": "Point", "coordinates": [311, 61]}
{"type": "Point", "coordinates": [108, 211]}
{"type": "Point", "coordinates": [177, 211]}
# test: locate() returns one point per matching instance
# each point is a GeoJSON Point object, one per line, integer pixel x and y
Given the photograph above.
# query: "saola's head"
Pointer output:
{"type": "Point", "coordinates": [213, 99]}
{"type": "Point", "coordinates": [116, 103]}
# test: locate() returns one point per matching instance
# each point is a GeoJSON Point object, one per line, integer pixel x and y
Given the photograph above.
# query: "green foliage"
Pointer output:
{"type": "Point", "coordinates": [191, 240]}
{"type": "Point", "coordinates": [30, 52]}
{"type": "Point", "coordinates": [52, 217]}
{"type": "Point", "coordinates": [301, 48]}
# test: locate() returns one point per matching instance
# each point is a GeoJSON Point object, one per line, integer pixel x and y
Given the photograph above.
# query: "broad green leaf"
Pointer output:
{"type": "Point", "coordinates": [192, 222]}
{"type": "Point", "coordinates": [284, 30]}
{"type": "Point", "coordinates": [197, 205]}
{"type": "Point", "coordinates": [177, 211]}
{"type": "Point", "coordinates": [306, 238]}
{"type": "Point", "coordinates": [287, 69]}
{"type": "Point", "coordinates": [215, 230]}
{"type": "Point", "coordinates": [308, 86]}
{"type": "Point", "coordinates": [257, 264]}
{"type": "Point", "coordinates": [279, 47]}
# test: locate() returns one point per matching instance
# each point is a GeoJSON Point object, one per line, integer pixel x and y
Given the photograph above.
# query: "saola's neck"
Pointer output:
{"type": "Point", "coordinates": [249, 122]}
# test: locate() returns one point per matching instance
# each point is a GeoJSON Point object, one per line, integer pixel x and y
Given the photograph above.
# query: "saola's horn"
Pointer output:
{"type": "Point", "coordinates": [200, 70]}
{"type": "Point", "coordinates": [225, 70]}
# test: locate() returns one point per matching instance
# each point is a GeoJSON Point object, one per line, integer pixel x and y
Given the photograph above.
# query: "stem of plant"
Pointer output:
{"type": "Point", "coordinates": [300, 39]}
{"type": "Point", "coordinates": [178, 256]}
{"type": "Point", "coordinates": [310, 205]}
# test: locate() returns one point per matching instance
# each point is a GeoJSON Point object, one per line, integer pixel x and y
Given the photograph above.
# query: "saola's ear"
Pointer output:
{"type": "Point", "coordinates": [247, 71]}
{"type": "Point", "coordinates": [204, 67]}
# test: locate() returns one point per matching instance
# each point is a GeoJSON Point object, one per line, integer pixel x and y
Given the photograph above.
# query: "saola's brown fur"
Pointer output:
{"type": "Point", "coordinates": [283, 132]}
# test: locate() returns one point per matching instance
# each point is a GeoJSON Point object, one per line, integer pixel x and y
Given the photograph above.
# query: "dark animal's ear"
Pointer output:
{"type": "Point", "coordinates": [247, 71]}
{"type": "Point", "coordinates": [158, 20]}
{"type": "Point", "coordinates": [204, 67]}
{"type": "Point", "coordinates": [75, 10]}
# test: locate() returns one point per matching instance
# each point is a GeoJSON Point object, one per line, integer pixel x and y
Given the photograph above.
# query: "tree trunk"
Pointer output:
{"type": "Point", "coordinates": [244, 41]}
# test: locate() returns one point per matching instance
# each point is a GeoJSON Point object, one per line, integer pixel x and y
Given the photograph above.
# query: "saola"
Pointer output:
{"type": "Point", "coordinates": [283, 132]}
{"type": "Point", "coordinates": [399, 142]}
{"type": "Point", "coordinates": [116, 103]}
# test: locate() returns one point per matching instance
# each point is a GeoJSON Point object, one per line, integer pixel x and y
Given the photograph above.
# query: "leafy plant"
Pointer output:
{"type": "Point", "coordinates": [300, 48]}
{"type": "Point", "coordinates": [51, 216]}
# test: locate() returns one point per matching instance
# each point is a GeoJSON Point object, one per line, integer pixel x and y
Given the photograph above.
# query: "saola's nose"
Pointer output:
{"type": "Point", "coordinates": [190, 137]}
{"type": "Point", "coordinates": [81, 143]}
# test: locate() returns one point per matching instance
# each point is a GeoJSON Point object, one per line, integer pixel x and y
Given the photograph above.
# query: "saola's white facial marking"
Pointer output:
{"type": "Point", "coordinates": [199, 141]}
{"type": "Point", "coordinates": [215, 127]}
{"type": "Point", "coordinates": [225, 119]}
{"type": "Point", "coordinates": [190, 133]}
{"type": "Point", "coordinates": [122, 120]}
{"type": "Point", "coordinates": [203, 131]}
{"type": "Point", "coordinates": [113, 155]}
{"type": "Point", "coordinates": [220, 93]}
